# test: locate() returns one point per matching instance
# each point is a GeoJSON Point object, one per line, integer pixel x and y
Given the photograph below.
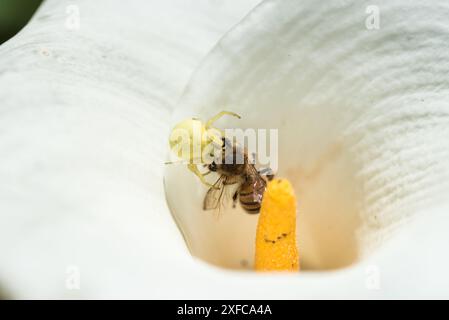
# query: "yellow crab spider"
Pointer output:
{"type": "Point", "coordinates": [192, 140]}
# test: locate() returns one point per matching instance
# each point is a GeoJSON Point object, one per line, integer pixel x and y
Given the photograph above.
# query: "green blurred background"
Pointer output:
{"type": "Point", "coordinates": [14, 14]}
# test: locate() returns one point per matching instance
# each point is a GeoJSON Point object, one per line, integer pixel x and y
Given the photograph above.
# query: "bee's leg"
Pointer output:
{"type": "Point", "coordinates": [234, 198]}
{"type": "Point", "coordinates": [218, 116]}
{"type": "Point", "coordinates": [192, 167]}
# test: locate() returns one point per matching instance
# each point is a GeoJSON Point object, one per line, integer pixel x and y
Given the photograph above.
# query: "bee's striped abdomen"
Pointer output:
{"type": "Point", "coordinates": [250, 195]}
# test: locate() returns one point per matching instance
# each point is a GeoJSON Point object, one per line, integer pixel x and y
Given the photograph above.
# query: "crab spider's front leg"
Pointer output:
{"type": "Point", "coordinates": [218, 116]}
{"type": "Point", "coordinates": [215, 138]}
{"type": "Point", "coordinates": [192, 167]}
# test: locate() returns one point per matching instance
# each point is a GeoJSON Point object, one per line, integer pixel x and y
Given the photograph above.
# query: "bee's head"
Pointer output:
{"type": "Point", "coordinates": [213, 166]}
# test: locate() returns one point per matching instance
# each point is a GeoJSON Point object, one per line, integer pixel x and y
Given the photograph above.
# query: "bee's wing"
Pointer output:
{"type": "Point", "coordinates": [254, 188]}
{"type": "Point", "coordinates": [232, 180]}
{"type": "Point", "coordinates": [214, 194]}
{"type": "Point", "coordinates": [252, 171]}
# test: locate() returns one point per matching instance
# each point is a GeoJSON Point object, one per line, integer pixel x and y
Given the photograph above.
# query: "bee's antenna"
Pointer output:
{"type": "Point", "coordinates": [267, 172]}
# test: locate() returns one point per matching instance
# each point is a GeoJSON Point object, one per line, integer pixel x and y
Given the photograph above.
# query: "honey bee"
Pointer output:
{"type": "Point", "coordinates": [236, 168]}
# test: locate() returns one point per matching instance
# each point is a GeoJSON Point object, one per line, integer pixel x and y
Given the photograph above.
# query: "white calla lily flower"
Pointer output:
{"type": "Point", "coordinates": [357, 92]}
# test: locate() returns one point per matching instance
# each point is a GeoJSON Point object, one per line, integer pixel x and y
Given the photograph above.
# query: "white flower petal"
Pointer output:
{"type": "Point", "coordinates": [363, 124]}
{"type": "Point", "coordinates": [84, 119]}
{"type": "Point", "coordinates": [80, 168]}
